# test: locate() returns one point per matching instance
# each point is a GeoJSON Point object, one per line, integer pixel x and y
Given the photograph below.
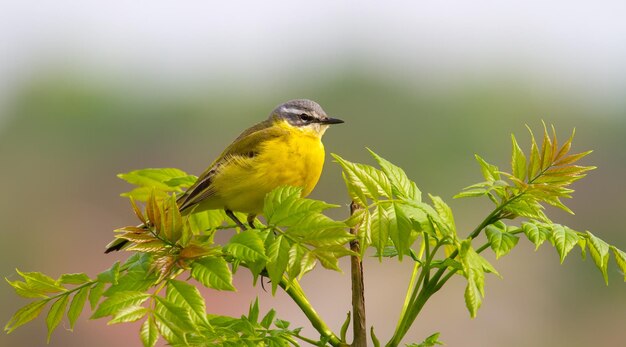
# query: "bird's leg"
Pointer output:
{"type": "Point", "coordinates": [232, 216]}
{"type": "Point", "coordinates": [251, 218]}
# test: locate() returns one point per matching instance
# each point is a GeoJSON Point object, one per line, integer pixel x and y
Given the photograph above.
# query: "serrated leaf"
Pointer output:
{"type": "Point", "coordinates": [76, 306]}
{"type": "Point", "coordinates": [154, 212]}
{"type": "Point", "coordinates": [534, 162]}
{"type": "Point", "coordinates": [369, 181]}
{"type": "Point", "coordinates": [620, 259]}
{"type": "Point", "coordinates": [175, 317]}
{"type": "Point", "coordinates": [327, 258]}
{"type": "Point", "coordinates": [23, 290]}
{"type": "Point", "coordinates": [55, 315]}
{"type": "Point", "coordinates": [430, 341]}
{"type": "Point", "coordinates": [267, 320]}
{"type": "Point", "coordinates": [182, 181]}
{"type": "Point", "coordinates": [111, 275]}
{"type": "Point", "coordinates": [500, 241]}
{"type": "Point", "coordinates": [535, 234]}
{"type": "Point", "coordinates": [77, 278]}
{"type": "Point", "coordinates": [380, 226]}
{"type": "Point", "coordinates": [173, 227]}
{"type": "Point", "coordinates": [95, 293]}
{"type": "Point", "coordinates": [246, 246]}
{"type": "Point", "coordinates": [472, 193]}
{"type": "Point", "coordinates": [284, 206]}
{"type": "Point", "coordinates": [119, 301]}
{"type": "Point", "coordinates": [25, 315]}
{"type": "Point", "coordinates": [564, 240]}
{"type": "Point", "coordinates": [474, 268]}
{"type": "Point", "coordinates": [129, 314]}
{"type": "Point", "coordinates": [402, 186]}
{"type": "Point", "coordinates": [39, 282]}
{"type": "Point", "coordinates": [278, 260]}
{"type": "Point", "coordinates": [546, 149]}
{"type": "Point", "coordinates": [518, 160]}
{"type": "Point", "coordinates": [445, 213]}
{"type": "Point", "coordinates": [149, 333]}
{"type": "Point", "coordinates": [187, 296]}
{"type": "Point", "coordinates": [253, 312]}
{"type": "Point", "coordinates": [599, 251]}
{"type": "Point", "coordinates": [490, 172]}
{"type": "Point", "coordinates": [473, 299]}
{"type": "Point", "coordinates": [213, 273]}
{"type": "Point", "coordinates": [153, 177]}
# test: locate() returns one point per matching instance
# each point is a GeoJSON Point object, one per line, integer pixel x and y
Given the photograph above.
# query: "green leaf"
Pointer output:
{"type": "Point", "coordinates": [445, 213]}
{"type": "Point", "coordinates": [182, 181]}
{"type": "Point", "coordinates": [474, 268]}
{"type": "Point", "coordinates": [77, 278]}
{"type": "Point", "coordinates": [55, 315]}
{"type": "Point", "coordinates": [76, 306]}
{"type": "Point", "coordinates": [365, 180]}
{"type": "Point", "coordinates": [188, 297]}
{"type": "Point", "coordinates": [156, 178]}
{"type": "Point", "coordinates": [129, 314]}
{"type": "Point", "coordinates": [23, 290]}
{"type": "Point", "coordinates": [37, 281]}
{"type": "Point", "coordinates": [402, 186]}
{"type": "Point", "coordinates": [267, 320]}
{"type": "Point", "coordinates": [119, 301]}
{"type": "Point", "coordinates": [620, 259]}
{"type": "Point", "coordinates": [430, 341]}
{"type": "Point", "coordinates": [206, 220]}
{"type": "Point", "coordinates": [138, 277]}
{"type": "Point", "coordinates": [490, 172]}
{"type": "Point", "coordinates": [599, 251]}
{"type": "Point", "coordinates": [95, 294]}
{"type": "Point", "coordinates": [564, 240]}
{"type": "Point", "coordinates": [380, 225]}
{"type": "Point", "coordinates": [25, 315]}
{"type": "Point", "coordinates": [284, 206]}
{"type": "Point", "coordinates": [246, 246]}
{"type": "Point", "coordinates": [173, 227]}
{"type": "Point", "coordinates": [278, 260]}
{"type": "Point", "coordinates": [501, 241]}
{"type": "Point", "coordinates": [253, 311]}
{"type": "Point", "coordinates": [518, 160]}
{"type": "Point", "coordinates": [535, 234]}
{"type": "Point", "coordinates": [149, 333]}
{"type": "Point", "coordinates": [213, 273]}
{"type": "Point", "coordinates": [282, 324]}
{"type": "Point", "coordinates": [345, 326]}
{"type": "Point", "coordinates": [111, 275]}
{"type": "Point", "coordinates": [375, 340]}
{"type": "Point", "coordinates": [175, 318]}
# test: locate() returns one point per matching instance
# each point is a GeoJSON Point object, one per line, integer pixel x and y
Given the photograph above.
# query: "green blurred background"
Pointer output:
{"type": "Point", "coordinates": [89, 90]}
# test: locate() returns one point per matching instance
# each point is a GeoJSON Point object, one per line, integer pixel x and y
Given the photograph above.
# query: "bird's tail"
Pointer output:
{"type": "Point", "coordinates": [116, 245]}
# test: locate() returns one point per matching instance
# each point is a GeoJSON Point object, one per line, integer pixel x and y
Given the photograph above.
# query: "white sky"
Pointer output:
{"type": "Point", "coordinates": [580, 43]}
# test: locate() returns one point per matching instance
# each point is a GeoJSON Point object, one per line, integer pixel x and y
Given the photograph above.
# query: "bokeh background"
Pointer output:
{"type": "Point", "coordinates": [89, 90]}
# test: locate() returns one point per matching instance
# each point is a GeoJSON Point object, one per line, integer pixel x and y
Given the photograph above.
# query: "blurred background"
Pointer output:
{"type": "Point", "coordinates": [89, 90]}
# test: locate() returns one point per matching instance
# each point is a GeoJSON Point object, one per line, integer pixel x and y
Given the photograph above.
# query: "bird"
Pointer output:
{"type": "Point", "coordinates": [286, 149]}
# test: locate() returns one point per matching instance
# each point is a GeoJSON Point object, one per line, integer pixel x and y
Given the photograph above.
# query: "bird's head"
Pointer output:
{"type": "Point", "coordinates": [305, 115]}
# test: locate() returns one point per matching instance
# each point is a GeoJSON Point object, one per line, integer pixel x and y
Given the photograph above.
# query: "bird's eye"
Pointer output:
{"type": "Point", "coordinates": [306, 118]}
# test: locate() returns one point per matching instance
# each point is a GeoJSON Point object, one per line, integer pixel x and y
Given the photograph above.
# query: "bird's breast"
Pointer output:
{"type": "Point", "coordinates": [295, 160]}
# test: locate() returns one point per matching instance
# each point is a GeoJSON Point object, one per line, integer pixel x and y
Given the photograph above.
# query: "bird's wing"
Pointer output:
{"type": "Point", "coordinates": [246, 145]}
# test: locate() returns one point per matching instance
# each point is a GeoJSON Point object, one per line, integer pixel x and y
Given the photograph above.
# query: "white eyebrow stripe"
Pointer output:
{"type": "Point", "coordinates": [293, 110]}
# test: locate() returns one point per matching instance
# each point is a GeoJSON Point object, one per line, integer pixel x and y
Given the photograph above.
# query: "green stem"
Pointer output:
{"type": "Point", "coordinates": [293, 289]}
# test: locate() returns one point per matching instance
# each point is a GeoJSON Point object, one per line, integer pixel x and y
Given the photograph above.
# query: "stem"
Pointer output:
{"type": "Point", "coordinates": [427, 286]}
{"type": "Point", "coordinates": [293, 289]}
{"type": "Point", "coordinates": [359, 329]}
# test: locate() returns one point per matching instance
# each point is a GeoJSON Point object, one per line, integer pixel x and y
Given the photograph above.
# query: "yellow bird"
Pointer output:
{"type": "Point", "coordinates": [285, 149]}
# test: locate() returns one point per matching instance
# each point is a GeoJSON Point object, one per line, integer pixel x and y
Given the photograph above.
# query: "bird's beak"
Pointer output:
{"type": "Point", "coordinates": [331, 121]}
